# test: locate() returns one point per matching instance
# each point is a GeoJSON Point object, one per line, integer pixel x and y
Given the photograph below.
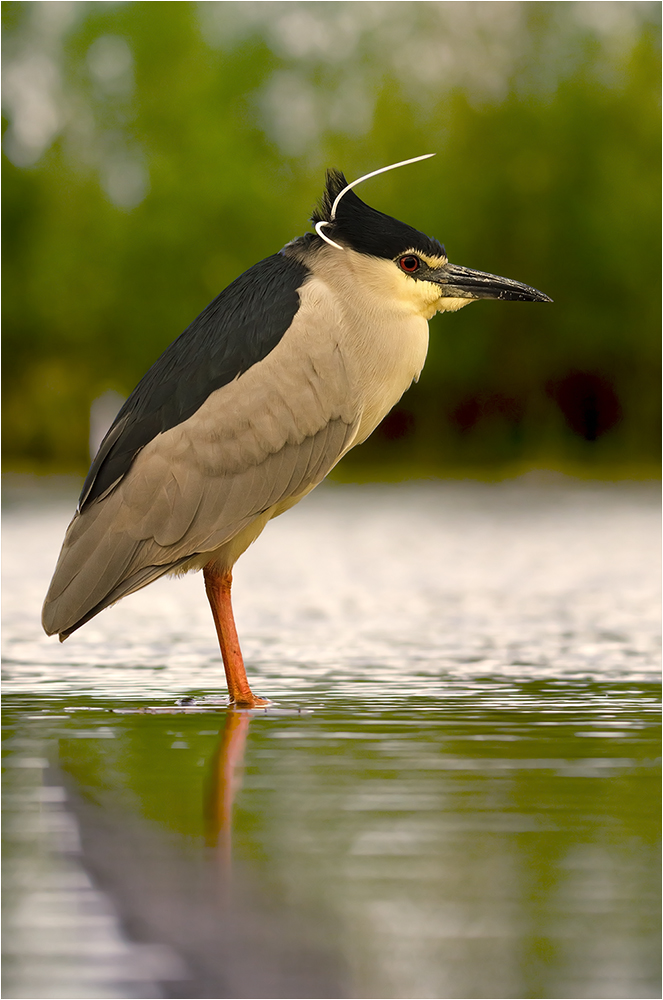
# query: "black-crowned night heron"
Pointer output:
{"type": "Point", "coordinates": [293, 364]}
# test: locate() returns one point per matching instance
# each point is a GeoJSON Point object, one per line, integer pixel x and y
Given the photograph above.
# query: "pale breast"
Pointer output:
{"type": "Point", "coordinates": [383, 338]}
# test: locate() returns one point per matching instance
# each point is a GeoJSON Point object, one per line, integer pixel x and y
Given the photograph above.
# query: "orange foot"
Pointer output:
{"type": "Point", "coordinates": [249, 701]}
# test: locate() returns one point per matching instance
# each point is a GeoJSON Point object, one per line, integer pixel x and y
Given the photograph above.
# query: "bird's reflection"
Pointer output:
{"type": "Point", "coordinates": [225, 778]}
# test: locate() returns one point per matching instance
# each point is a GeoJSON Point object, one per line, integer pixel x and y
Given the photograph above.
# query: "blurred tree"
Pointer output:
{"type": "Point", "coordinates": [153, 151]}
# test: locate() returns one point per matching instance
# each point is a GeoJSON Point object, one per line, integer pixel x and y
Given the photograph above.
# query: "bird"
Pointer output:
{"type": "Point", "coordinates": [293, 364]}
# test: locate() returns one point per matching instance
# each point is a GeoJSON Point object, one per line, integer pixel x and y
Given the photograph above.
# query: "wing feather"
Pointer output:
{"type": "Point", "coordinates": [238, 329]}
{"type": "Point", "coordinates": [253, 448]}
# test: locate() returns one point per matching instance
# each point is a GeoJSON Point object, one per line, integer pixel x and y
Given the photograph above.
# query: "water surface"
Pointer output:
{"type": "Point", "coordinates": [454, 793]}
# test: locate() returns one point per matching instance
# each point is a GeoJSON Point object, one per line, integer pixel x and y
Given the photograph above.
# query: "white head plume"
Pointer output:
{"type": "Point", "coordinates": [348, 187]}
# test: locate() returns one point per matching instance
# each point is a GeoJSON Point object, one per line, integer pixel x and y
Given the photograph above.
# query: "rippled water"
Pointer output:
{"type": "Point", "coordinates": [454, 793]}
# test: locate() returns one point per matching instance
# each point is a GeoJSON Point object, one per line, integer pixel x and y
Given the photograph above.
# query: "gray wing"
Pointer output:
{"type": "Point", "coordinates": [262, 441]}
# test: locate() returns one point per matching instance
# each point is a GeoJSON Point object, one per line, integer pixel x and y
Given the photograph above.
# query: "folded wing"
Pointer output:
{"type": "Point", "coordinates": [257, 444]}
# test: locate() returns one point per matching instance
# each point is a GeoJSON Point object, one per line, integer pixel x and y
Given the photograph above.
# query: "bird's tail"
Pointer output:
{"type": "Point", "coordinates": [97, 566]}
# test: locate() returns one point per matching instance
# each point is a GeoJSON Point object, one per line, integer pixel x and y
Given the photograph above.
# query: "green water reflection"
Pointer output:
{"type": "Point", "coordinates": [500, 843]}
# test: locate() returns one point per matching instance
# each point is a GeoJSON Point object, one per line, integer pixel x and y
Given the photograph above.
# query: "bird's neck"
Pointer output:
{"type": "Point", "coordinates": [383, 339]}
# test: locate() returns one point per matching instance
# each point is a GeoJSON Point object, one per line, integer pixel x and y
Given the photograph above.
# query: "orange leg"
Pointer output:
{"type": "Point", "coordinates": [218, 587]}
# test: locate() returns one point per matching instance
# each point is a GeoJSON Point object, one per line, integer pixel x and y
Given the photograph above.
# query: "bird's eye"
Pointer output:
{"type": "Point", "coordinates": [410, 263]}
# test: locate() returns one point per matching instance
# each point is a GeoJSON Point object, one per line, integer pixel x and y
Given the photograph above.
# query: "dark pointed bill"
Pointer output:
{"type": "Point", "coordinates": [463, 283]}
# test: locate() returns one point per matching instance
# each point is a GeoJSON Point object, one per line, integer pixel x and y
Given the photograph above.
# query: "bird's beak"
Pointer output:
{"type": "Point", "coordinates": [463, 283]}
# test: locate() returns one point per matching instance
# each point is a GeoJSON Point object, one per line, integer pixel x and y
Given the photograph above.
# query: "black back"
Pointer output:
{"type": "Point", "coordinates": [237, 329]}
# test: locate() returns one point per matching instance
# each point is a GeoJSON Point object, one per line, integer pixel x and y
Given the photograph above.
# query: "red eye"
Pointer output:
{"type": "Point", "coordinates": [409, 263]}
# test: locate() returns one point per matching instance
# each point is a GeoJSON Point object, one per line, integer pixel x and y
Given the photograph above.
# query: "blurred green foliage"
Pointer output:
{"type": "Point", "coordinates": [153, 151]}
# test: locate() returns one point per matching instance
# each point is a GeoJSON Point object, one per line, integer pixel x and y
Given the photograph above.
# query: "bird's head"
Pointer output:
{"type": "Point", "coordinates": [417, 265]}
